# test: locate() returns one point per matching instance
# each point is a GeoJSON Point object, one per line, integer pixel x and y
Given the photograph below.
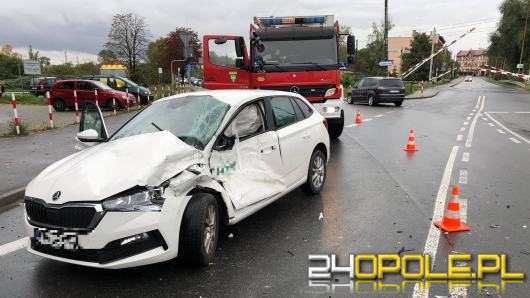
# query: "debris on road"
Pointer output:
{"type": "Point", "coordinates": [495, 226]}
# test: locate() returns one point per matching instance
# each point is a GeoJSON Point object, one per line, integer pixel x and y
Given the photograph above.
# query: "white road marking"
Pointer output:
{"type": "Point", "coordinates": [474, 110]}
{"type": "Point", "coordinates": [351, 125]}
{"type": "Point", "coordinates": [380, 115]}
{"type": "Point", "coordinates": [466, 122]}
{"type": "Point", "coordinates": [13, 246]}
{"type": "Point", "coordinates": [471, 114]}
{"type": "Point", "coordinates": [368, 119]}
{"type": "Point", "coordinates": [474, 122]}
{"type": "Point", "coordinates": [458, 292]}
{"type": "Point", "coordinates": [491, 124]}
{"type": "Point", "coordinates": [515, 140]}
{"type": "Point", "coordinates": [500, 131]}
{"type": "Point", "coordinates": [468, 118]}
{"type": "Point", "coordinates": [499, 112]}
{"type": "Point", "coordinates": [477, 105]}
{"type": "Point", "coordinates": [522, 112]}
{"type": "Point", "coordinates": [431, 243]}
{"type": "Point", "coordinates": [484, 118]}
{"type": "Point", "coordinates": [459, 138]}
{"type": "Point", "coordinates": [463, 210]}
{"type": "Point", "coordinates": [465, 157]}
{"type": "Point", "coordinates": [508, 130]}
{"type": "Point", "coordinates": [462, 128]}
{"type": "Point", "coordinates": [463, 177]}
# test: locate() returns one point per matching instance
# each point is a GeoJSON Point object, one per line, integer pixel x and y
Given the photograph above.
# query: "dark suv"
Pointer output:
{"type": "Point", "coordinates": [123, 84]}
{"type": "Point", "coordinates": [376, 90]}
{"type": "Point", "coordinates": [39, 86]}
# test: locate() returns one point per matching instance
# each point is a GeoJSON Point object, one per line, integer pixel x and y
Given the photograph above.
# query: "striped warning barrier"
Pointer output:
{"type": "Point", "coordinates": [17, 121]}
{"type": "Point", "coordinates": [76, 107]}
{"type": "Point", "coordinates": [50, 115]}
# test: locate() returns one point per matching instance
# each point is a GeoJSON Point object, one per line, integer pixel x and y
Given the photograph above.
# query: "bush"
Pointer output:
{"type": "Point", "coordinates": [347, 79]}
{"type": "Point", "coordinates": [25, 99]}
{"type": "Point", "coordinates": [12, 128]}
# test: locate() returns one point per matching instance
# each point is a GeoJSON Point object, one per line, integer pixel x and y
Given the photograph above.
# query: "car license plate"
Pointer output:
{"type": "Point", "coordinates": [394, 91]}
{"type": "Point", "coordinates": [56, 238]}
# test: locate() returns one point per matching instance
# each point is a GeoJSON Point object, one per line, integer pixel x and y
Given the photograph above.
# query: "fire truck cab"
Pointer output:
{"type": "Point", "coordinates": [296, 54]}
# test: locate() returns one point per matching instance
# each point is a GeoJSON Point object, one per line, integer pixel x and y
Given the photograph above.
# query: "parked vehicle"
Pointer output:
{"type": "Point", "coordinates": [117, 70]}
{"type": "Point", "coordinates": [62, 95]}
{"type": "Point", "coordinates": [374, 90]}
{"type": "Point", "coordinates": [165, 182]}
{"type": "Point", "coordinates": [41, 85]}
{"type": "Point", "coordinates": [124, 84]}
{"type": "Point", "coordinates": [295, 53]}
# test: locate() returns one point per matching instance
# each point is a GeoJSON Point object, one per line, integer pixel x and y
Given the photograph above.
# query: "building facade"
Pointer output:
{"type": "Point", "coordinates": [399, 45]}
{"type": "Point", "coordinates": [472, 60]}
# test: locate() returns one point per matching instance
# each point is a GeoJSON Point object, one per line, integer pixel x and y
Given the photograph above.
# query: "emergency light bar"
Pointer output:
{"type": "Point", "coordinates": [326, 20]}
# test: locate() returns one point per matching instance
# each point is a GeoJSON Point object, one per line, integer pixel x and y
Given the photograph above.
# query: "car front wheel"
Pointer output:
{"type": "Point", "coordinates": [349, 99]}
{"type": "Point", "coordinates": [371, 101]}
{"type": "Point", "coordinates": [200, 229]}
{"type": "Point", "coordinates": [398, 103]}
{"type": "Point", "coordinates": [316, 174]}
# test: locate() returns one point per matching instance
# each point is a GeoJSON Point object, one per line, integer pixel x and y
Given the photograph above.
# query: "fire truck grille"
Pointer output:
{"type": "Point", "coordinates": [305, 91]}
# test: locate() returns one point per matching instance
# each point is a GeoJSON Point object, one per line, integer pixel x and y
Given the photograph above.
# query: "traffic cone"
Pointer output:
{"type": "Point", "coordinates": [451, 221]}
{"type": "Point", "coordinates": [358, 119]}
{"type": "Point", "coordinates": [411, 147]}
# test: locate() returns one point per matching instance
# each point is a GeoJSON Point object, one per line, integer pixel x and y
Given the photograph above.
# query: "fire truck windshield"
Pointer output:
{"type": "Point", "coordinates": [297, 55]}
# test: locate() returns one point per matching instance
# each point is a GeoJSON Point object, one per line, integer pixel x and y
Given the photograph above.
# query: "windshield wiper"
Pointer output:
{"type": "Point", "coordinates": [157, 127]}
{"type": "Point", "coordinates": [274, 64]}
{"type": "Point", "coordinates": [312, 63]}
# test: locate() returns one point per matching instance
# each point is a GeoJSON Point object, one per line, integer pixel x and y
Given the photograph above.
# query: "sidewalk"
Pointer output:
{"type": "Point", "coordinates": [429, 92]}
{"type": "Point", "coordinates": [23, 158]}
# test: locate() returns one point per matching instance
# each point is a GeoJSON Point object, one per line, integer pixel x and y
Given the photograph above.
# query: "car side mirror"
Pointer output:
{"type": "Point", "coordinates": [92, 119]}
{"type": "Point", "coordinates": [224, 143]}
{"type": "Point", "coordinates": [89, 135]}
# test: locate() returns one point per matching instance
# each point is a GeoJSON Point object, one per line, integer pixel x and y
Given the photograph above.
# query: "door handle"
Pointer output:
{"type": "Point", "coordinates": [268, 149]}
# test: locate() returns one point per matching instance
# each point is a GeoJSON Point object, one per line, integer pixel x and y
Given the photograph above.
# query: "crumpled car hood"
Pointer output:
{"type": "Point", "coordinates": [109, 168]}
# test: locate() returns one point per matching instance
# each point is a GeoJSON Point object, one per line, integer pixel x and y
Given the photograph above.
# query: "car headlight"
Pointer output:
{"type": "Point", "coordinates": [330, 92]}
{"type": "Point", "coordinates": [149, 199]}
{"type": "Point", "coordinates": [331, 109]}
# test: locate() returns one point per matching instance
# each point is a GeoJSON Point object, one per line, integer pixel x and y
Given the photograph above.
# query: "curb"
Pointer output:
{"type": "Point", "coordinates": [422, 97]}
{"type": "Point", "coordinates": [12, 196]}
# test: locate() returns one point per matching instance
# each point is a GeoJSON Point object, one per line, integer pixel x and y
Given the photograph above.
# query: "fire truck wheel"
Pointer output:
{"type": "Point", "coordinates": [335, 128]}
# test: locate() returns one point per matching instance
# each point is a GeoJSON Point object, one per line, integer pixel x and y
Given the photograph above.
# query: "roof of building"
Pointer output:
{"type": "Point", "coordinates": [472, 52]}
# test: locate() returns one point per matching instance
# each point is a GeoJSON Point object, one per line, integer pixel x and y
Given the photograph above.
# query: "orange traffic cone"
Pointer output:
{"type": "Point", "coordinates": [358, 119]}
{"type": "Point", "coordinates": [451, 221]}
{"type": "Point", "coordinates": [410, 145]}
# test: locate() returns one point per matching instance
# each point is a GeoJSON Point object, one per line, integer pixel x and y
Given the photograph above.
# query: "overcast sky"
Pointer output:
{"type": "Point", "coordinates": [81, 27]}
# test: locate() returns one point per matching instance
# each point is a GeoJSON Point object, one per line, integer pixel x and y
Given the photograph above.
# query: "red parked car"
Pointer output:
{"type": "Point", "coordinates": [62, 95]}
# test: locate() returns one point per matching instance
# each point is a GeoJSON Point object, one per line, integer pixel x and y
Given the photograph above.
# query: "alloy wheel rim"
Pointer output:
{"type": "Point", "coordinates": [318, 171]}
{"type": "Point", "coordinates": [210, 229]}
{"type": "Point", "coordinates": [370, 101]}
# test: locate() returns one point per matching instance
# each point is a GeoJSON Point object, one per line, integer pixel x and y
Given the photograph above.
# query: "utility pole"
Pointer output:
{"type": "Point", "coordinates": [433, 35]}
{"type": "Point", "coordinates": [524, 36]}
{"type": "Point", "coordinates": [386, 36]}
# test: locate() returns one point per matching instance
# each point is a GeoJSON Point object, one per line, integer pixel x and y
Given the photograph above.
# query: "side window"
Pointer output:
{"type": "Point", "coordinates": [248, 122]}
{"type": "Point", "coordinates": [85, 86]}
{"type": "Point", "coordinates": [222, 54]}
{"type": "Point", "coordinates": [103, 80]}
{"type": "Point", "coordinates": [306, 110]}
{"type": "Point", "coordinates": [284, 113]}
{"type": "Point", "coordinates": [299, 115]}
{"type": "Point", "coordinates": [360, 84]}
{"type": "Point", "coordinates": [120, 84]}
{"type": "Point", "coordinates": [67, 85]}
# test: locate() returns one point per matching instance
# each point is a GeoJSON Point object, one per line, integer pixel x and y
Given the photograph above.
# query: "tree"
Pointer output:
{"type": "Point", "coordinates": [31, 54]}
{"type": "Point", "coordinates": [44, 61]}
{"type": "Point", "coordinates": [368, 58]}
{"type": "Point", "coordinates": [128, 39]}
{"type": "Point", "coordinates": [420, 48]}
{"type": "Point", "coordinates": [507, 41]}
{"type": "Point", "coordinates": [9, 62]}
{"type": "Point", "coordinates": [107, 57]}
{"type": "Point", "coordinates": [173, 48]}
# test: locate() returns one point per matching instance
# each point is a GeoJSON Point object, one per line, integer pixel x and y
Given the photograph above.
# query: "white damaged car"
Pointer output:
{"type": "Point", "coordinates": [165, 182]}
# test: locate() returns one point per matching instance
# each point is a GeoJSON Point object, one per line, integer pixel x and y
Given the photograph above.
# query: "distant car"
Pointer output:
{"type": "Point", "coordinates": [213, 158]}
{"type": "Point", "coordinates": [62, 95]}
{"type": "Point", "coordinates": [468, 79]}
{"type": "Point", "coordinates": [123, 84]}
{"type": "Point", "coordinates": [376, 90]}
{"type": "Point", "coordinates": [40, 85]}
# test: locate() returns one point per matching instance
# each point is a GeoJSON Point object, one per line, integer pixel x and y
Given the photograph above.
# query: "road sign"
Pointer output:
{"type": "Point", "coordinates": [189, 68]}
{"type": "Point", "coordinates": [31, 67]}
{"type": "Point", "coordinates": [160, 70]}
{"type": "Point", "coordinates": [520, 66]}
{"type": "Point", "coordinates": [386, 63]}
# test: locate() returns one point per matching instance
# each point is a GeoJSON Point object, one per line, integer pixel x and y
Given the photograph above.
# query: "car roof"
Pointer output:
{"type": "Point", "coordinates": [235, 97]}
{"type": "Point", "coordinates": [382, 78]}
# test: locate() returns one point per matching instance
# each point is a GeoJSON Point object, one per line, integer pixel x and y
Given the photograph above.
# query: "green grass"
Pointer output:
{"type": "Point", "coordinates": [25, 99]}
{"type": "Point", "coordinates": [12, 129]}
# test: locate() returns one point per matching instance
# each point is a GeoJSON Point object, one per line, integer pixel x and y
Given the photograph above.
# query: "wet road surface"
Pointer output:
{"type": "Point", "coordinates": [377, 199]}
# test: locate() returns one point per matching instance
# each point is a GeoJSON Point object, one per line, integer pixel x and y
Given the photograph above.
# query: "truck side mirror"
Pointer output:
{"type": "Point", "coordinates": [350, 43]}
{"type": "Point", "coordinates": [240, 63]}
{"type": "Point", "coordinates": [240, 46]}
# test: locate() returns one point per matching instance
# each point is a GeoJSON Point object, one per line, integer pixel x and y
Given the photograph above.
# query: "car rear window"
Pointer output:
{"type": "Point", "coordinates": [391, 83]}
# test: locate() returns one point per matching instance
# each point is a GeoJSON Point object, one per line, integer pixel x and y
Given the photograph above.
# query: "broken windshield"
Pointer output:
{"type": "Point", "coordinates": [193, 119]}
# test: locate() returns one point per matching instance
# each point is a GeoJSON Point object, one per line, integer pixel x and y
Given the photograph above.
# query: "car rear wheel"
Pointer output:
{"type": "Point", "coordinates": [398, 103]}
{"type": "Point", "coordinates": [199, 229]}
{"type": "Point", "coordinates": [316, 174]}
{"type": "Point", "coordinates": [58, 105]}
{"type": "Point", "coordinates": [349, 99]}
{"type": "Point", "coordinates": [108, 104]}
{"type": "Point", "coordinates": [371, 101]}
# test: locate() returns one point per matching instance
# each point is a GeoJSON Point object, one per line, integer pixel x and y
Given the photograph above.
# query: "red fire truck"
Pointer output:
{"type": "Point", "coordinates": [296, 54]}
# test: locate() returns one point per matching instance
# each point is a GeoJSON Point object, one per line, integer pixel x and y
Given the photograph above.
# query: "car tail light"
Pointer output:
{"type": "Point", "coordinates": [325, 122]}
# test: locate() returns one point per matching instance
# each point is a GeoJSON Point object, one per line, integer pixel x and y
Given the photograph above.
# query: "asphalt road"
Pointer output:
{"type": "Point", "coordinates": [377, 199]}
